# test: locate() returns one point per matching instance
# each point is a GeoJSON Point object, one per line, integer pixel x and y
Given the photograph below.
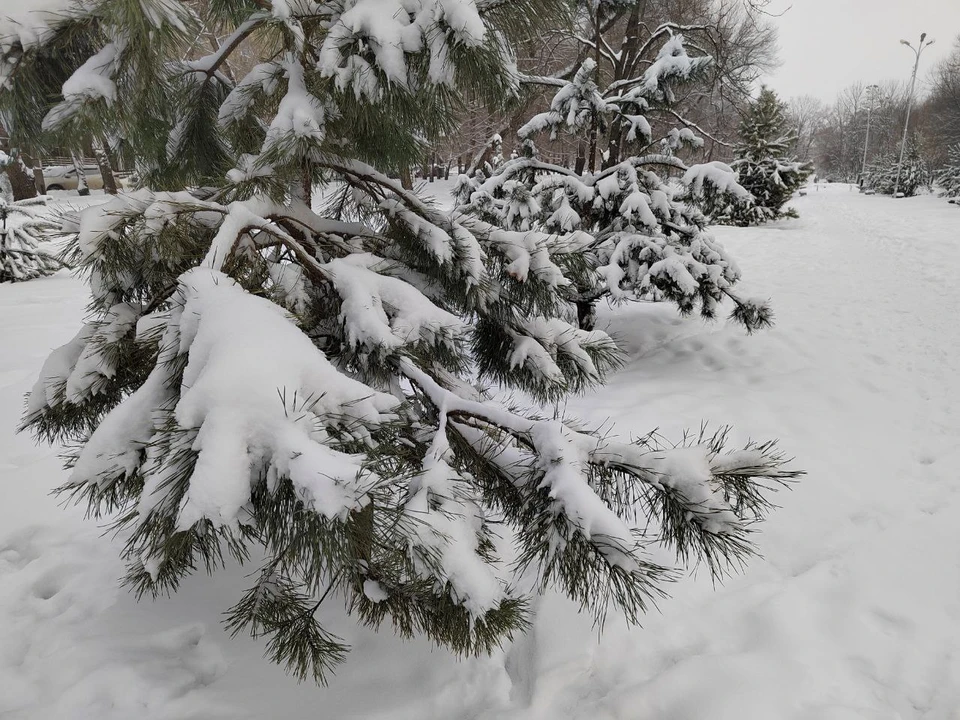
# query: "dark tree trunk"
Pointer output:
{"type": "Point", "coordinates": [20, 181]}
{"type": "Point", "coordinates": [628, 49]}
{"type": "Point", "coordinates": [581, 162]}
{"type": "Point", "coordinates": [306, 184]}
{"type": "Point", "coordinates": [405, 180]}
{"type": "Point", "coordinates": [106, 169]}
{"type": "Point", "coordinates": [587, 314]}
{"type": "Point", "coordinates": [82, 187]}
{"type": "Point", "coordinates": [38, 181]}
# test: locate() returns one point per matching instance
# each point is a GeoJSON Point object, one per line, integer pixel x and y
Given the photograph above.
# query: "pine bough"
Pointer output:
{"type": "Point", "coordinates": [258, 378]}
{"type": "Point", "coordinates": [635, 222]}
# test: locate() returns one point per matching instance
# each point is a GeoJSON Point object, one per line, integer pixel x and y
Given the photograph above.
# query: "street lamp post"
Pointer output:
{"type": "Point", "coordinates": [913, 81]}
{"type": "Point", "coordinates": [871, 90]}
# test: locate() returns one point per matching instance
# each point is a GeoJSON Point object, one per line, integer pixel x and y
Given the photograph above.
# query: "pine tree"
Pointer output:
{"type": "Point", "coordinates": [949, 177]}
{"type": "Point", "coordinates": [881, 175]}
{"type": "Point", "coordinates": [23, 228]}
{"type": "Point", "coordinates": [634, 232]}
{"type": "Point", "coordinates": [260, 374]}
{"type": "Point", "coordinates": [764, 166]}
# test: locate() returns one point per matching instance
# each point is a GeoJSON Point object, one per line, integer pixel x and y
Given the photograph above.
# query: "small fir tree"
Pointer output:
{"type": "Point", "coordinates": [260, 373]}
{"type": "Point", "coordinates": [764, 163]}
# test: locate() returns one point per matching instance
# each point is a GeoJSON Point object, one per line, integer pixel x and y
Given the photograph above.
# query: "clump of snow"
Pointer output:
{"type": "Point", "coordinates": [89, 83]}
{"type": "Point", "coordinates": [390, 30]}
{"type": "Point", "coordinates": [451, 530]}
{"type": "Point", "coordinates": [384, 313]}
{"type": "Point", "coordinates": [671, 62]}
{"type": "Point", "coordinates": [719, 175]}
{"type": "Point", "coordinates": [301, 116]}
{"type": "Point", "coordinates": [235, 340]}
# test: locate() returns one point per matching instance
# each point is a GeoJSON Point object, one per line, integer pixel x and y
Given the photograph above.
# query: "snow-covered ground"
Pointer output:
{"type": "Point", "coordinates": [854, 612]}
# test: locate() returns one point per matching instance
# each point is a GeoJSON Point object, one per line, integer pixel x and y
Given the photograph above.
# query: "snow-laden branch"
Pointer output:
{"type": "Point", "coordinates": [565, 456]}
{"type": "Point", "coordinates": [691, 124]}
{"type": "Point", "coordinates": [210, 64]}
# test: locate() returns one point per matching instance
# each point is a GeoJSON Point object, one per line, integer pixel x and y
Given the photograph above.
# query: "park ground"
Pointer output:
{"type": "Point", "coordinates": [852, 612]}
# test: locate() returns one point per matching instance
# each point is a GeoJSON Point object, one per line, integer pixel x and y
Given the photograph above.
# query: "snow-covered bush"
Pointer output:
{"type": "Point", "coordinates": [635, 233]}
{"type": "Point", "coordinates": [259, 374]}
{"type": "Point", "coordinates": [948, 179]}
{"type": "Point", "coordinates": [24, 227]}
{"type": "Point", "coordinates": [881, 174]}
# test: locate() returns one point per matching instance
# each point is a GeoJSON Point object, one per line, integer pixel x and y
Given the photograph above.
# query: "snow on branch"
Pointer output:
{"type": "Point", "coordinates": [389, 31]}
{"type": "Point", "coordinates": [383, 313]}
{"type": "Point", "coordinates": [672, 63]}
{"type": "Point", "coordinates": [301, 117]}
{"type": "Point", "coordinates": [690, 480]}
{"type": "Point", "coordinates": [719, 175]}
{"type": "Point", "coordinates": [448, 519]}
{"type": "Point", "coordinates": [91, 82]}
{"type": "Point", "coordinates": [539, 342]}
{"type": "Point", "coordinates": [277, 425]}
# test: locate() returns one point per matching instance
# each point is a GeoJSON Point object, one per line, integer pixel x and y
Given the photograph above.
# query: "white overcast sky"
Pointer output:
{"type": "Point", "coordinates": [826, 45]}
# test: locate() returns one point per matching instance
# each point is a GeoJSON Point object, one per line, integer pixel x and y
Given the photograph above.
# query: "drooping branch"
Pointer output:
{"type": "Point", "coordinates": [210, 64]}
{"type": "Point", "coordinates": [694, 126]}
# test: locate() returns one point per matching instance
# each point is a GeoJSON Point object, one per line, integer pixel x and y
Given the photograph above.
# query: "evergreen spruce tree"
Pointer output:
{"type": "Point", "coordinates": [24, 226]}
{"type": "Point", "coordinates": [948, 178]}
{"type": "Point", "coordinates": [303, 373]}
{"type": "Point", "coordinates": [764, 166]}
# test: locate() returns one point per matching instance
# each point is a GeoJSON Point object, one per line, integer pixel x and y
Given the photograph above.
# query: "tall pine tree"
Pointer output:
{"type": "Point", "coordinates": [293, 357]}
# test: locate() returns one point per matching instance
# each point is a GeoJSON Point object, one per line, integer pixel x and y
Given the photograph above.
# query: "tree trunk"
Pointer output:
{"type": "Point", "coordinates": [82, 187]}
{"type": "Point", "coordinates": [6, 192]}
{"type": "Point", "coordinates": [581, 162]}
{"type": "Point", "coordinates": [20, 181]}
{"type": "Point", "coordinates": [106, 169]}
{"type": "Point", "coordinates": [628, 48]}
{"type": "Point", "coordinates": [115, 164]}
{"type": "Point", "coordinates": [587, 314]}
{"type": "Point", "coordinates": [38, 181]}
{"type": "Point", "coordinates": [306, 185]}
{"type": "Point", "coordinates": [405, 180]}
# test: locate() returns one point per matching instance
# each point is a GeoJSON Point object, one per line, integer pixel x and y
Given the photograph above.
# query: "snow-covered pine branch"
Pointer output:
{"type": "Point", "coordinates": [639, 234]}
{"type": "Point", "coordinates": [270, 366]}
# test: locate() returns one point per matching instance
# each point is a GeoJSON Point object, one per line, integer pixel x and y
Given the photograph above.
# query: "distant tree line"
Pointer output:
{"type": "Point", "coordinates": [834, 136]}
